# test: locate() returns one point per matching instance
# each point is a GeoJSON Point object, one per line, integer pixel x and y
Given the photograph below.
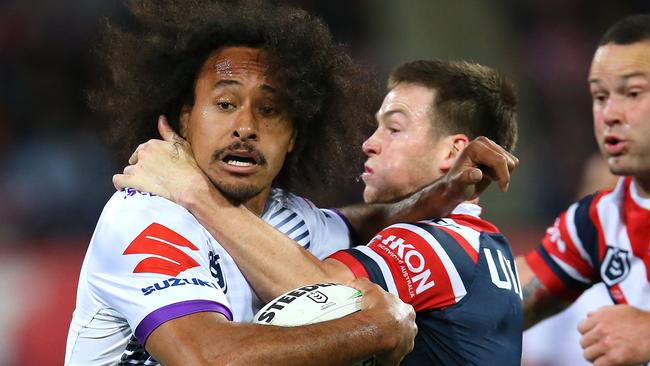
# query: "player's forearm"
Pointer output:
{"type": "Point", "coordinates": [205, 339]}
{"type": "Point", "coordinates": [338, 342]}
{"type": "Point", "coordinates": [538, 303]}
{"type": "Point", "coordinates": [270, 261]}
{"type": "Point", "coordinates": [429, 202]}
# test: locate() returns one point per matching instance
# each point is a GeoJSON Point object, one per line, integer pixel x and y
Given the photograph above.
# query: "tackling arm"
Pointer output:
{"type": "Point", "coordinates": [272, 262]}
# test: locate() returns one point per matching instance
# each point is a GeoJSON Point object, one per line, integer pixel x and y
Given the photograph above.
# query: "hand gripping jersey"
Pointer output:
{"type": "Point", "coordinates": [460, 276]}
{"type": "Point", "coordinates": [605, 237]}
{"type": "Point", "coordinates": [150, 261]}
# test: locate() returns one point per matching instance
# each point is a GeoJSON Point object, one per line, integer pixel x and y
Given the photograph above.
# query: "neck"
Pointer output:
{"type": "Point", "coordinates": [257, 203]}
{"type": "Point", "coordinates": [642, 186]}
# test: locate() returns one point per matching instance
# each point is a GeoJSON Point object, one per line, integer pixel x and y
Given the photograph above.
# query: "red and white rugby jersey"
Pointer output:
{"type": "Point", "coordinates": [459, 274]}
{"type": "Point", "coordinates": [605, 237]}
{"type": "Point", "coordinates": [150, 261]}
{"type": "Point", "coordinates": [428, 268]}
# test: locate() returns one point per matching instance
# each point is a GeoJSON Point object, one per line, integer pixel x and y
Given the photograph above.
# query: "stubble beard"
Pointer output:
{"type": "Point", "coordinates": [238, 193]}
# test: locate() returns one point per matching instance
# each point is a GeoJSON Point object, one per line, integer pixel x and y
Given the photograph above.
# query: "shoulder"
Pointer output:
{"type": "Point", "coordinates": [130, 214]}
{"type": "Point", "coordinates": [133, 208]}
{"type": "Point", "coordinates": [291, 201]}
{"type": "Point", "coordinates": [321, 231]}
{"type": "Point", "coordinates": [283, 204]}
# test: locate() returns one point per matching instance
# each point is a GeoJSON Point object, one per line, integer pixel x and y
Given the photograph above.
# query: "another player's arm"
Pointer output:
{"type": "Point", "coordinates": [384, 327]}
{"type": "Point", "coordinates": [481, 162]}
{"type": "Point", "coordinates": [538, 303]}
{"type": "Point", "coordinates": [271, 262]}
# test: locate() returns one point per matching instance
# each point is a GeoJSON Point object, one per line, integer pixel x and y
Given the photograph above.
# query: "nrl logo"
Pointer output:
{"type": "Point", "coordinates": [317, 297]}
{"type": "Point", "coordinates": [616, 266]}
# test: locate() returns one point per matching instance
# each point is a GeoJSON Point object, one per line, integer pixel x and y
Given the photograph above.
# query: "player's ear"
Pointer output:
{"type": "Point", "coordinates": [457, 144]}
{"type": "Point", "coordinates": [184, 119]}
{"type": "Point", "coordinates": [292, 141]}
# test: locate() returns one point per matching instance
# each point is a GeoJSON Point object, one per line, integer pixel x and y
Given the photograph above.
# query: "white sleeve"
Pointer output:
{"type": "Point", "coordinates": [149, 261]}
{"type": "Point", "coordinates": [328, 229]}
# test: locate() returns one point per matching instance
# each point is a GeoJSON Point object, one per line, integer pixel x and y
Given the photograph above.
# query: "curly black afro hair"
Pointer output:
{"type": "Point", "coordinates": [155, 59]}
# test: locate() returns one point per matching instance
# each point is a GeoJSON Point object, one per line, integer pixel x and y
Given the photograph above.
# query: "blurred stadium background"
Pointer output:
{"type": "Point", "coordinates": [56, 166]}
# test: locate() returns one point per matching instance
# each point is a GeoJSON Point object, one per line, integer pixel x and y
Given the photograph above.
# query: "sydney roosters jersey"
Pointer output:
{"type": "Point", "coordinates": [605, 237]}
{"type": "Point", "coordinates": [150, 261]}
{"type": "Point", "coordinates": [460, 276]}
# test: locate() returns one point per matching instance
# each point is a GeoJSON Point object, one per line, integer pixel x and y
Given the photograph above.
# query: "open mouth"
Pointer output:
{"type": "Point", "coordinates": [612, 140]}
{"type": "Point", "coordinates": [614, 145]}
{"type": "Point", "coordinates": [239, 158]}
{"type": "Point", "coordinates": [243, 160]}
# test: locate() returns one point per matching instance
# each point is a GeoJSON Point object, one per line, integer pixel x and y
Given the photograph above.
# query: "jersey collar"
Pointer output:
{"type": "Point", "coordinates": [467, 208]}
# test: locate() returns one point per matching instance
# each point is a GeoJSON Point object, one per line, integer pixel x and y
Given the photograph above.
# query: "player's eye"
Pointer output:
{"type": "Point", "coordinates": [599, 97]}
{"type": "Point", "coordinates": [269, 110]}
{"type": "Point", "coordinates": [224, 105]}
{"type": "Point", "coordinates": [633, 93]}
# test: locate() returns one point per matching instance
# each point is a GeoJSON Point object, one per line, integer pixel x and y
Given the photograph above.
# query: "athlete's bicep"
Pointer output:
{"type": "Point", "coordinates": [538, 303]}
{"type": "Point", "coordinates": [189, 340]}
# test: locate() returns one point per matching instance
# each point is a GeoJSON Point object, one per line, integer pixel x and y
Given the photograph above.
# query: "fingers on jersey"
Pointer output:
{"type": "Point", "coordinates": [587, 324]}
{"type": "Point", "coordinates": [590, 336]}
{"type": "Point", "coordinates": [127, 179]}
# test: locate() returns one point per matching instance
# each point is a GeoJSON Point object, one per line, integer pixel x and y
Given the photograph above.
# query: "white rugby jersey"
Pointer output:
{"type": "Point", "coordinates": [605, 237]}
{"type": "Point", "coordinates": [150, 261]}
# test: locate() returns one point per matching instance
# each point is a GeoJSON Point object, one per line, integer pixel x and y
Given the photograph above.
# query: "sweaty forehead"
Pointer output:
{"type": "Point", "coordinates": [621, 61]}
{"type": "Point", "coordinates": [236, 62]}
{"type": "Point", "coordinates": [412, 99]}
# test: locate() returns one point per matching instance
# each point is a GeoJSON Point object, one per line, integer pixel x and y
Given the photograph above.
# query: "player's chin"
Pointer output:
{"type": "Point", "coordinates": [239, 191]}
{"type": "Point", "coordinates": [380, 195]}
{"type": "Point", "coordinates": [624, 165]}
{"type": "Point", "coordinates": [370, 194]}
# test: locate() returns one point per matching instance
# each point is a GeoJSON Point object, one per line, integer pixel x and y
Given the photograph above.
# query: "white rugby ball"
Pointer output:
{"type": "Point", "coordinates": [310, 304]}
{"type": "Point", "coordinates": [313, 304]}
